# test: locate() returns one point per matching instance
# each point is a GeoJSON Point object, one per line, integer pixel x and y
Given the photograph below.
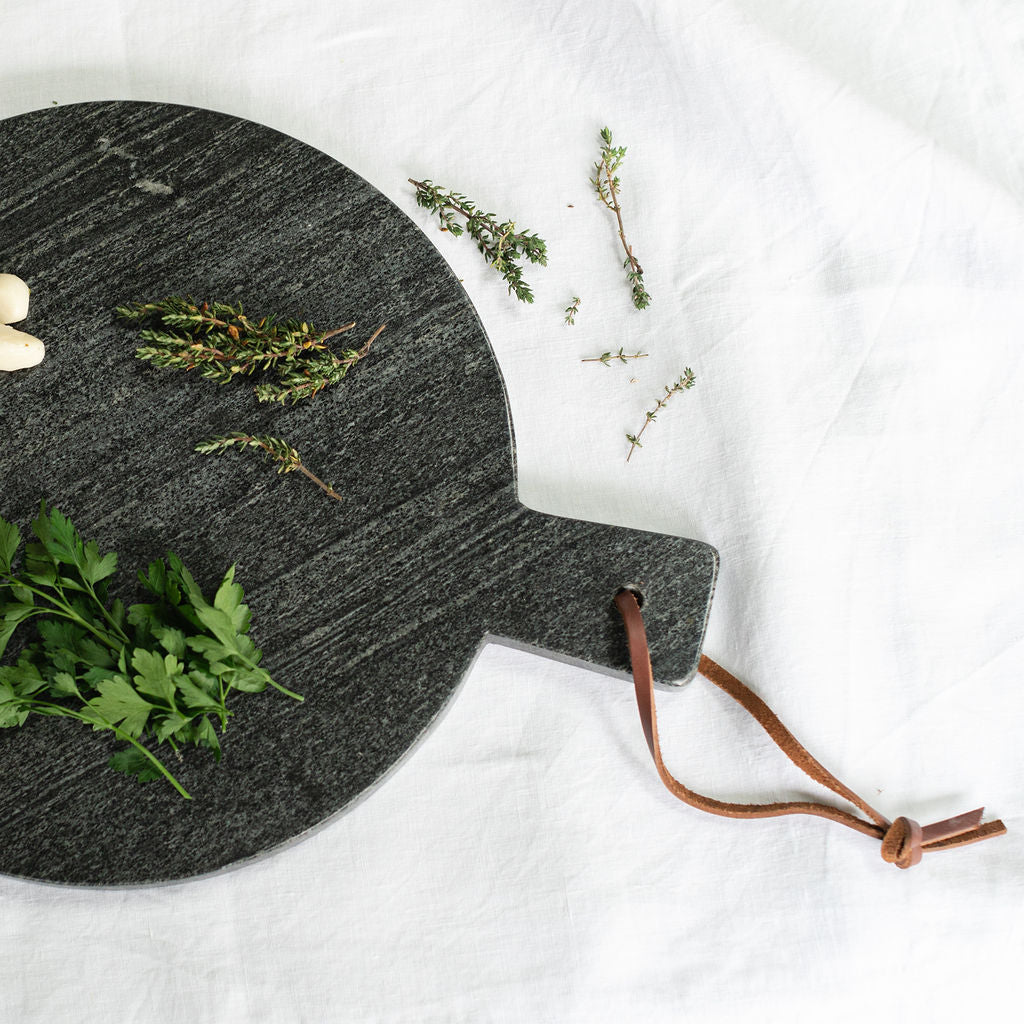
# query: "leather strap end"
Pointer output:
{"type": "Point", "coordinates": [905, 841]}
{"type": "Point", "coordinates": [949, 827]}
{"type": "Point", "coordinates": [989, 830]}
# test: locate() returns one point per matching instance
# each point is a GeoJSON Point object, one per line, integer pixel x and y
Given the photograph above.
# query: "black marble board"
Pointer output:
{"type": "Point", "coordinates": [372, 608]}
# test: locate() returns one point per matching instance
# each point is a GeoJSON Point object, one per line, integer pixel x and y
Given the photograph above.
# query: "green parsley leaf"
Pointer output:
{"type": "Point", "coordinates": [119, 704]}
{"type": "Point", "coordinates": [134, 762]}
{"type": "Point", "coordinates": [153, 673]}
{"type": "Point", "coordinates": [10, 541]}
{"type": "Point", "coordinates": [160, 671]}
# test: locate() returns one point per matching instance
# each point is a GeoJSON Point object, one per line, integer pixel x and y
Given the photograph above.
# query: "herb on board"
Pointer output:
{"type": "Point", "coordinates": [607, 186]}
{"type": "Point", "coordinates": [571, 310]}
{"type": "Point", "coordinates": [502, 246]}
{"type": "Point", "coordinates": [619, 357]}
{"type": "Point", "coordinates": [684, 383]}
{"type": "Point", "coordinates": [159, 671]}
{"type": "Point", "coordinates": [276, 449]}
{"type": "Point", "coordinates": [222, 342]}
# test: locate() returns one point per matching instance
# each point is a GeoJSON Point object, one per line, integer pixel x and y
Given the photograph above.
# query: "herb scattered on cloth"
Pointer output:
{"type": "Point", "coordinates": [160, 671]}
{"type": "Point", "coordinates": [621, 356]}
{"type": "Point", "coordinates": [684, 382]}
{"type": "Point", "coordinates": [607, 185]}
{"type": "Point", "coordinates": [502, 246]}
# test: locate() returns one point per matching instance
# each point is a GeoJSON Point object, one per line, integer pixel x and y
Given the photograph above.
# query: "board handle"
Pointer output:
{"type": "Point", "coordinates": [558, 578]}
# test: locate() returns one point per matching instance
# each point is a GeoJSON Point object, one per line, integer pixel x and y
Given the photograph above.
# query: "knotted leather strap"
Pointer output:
{"type": "Point", "coordinates": [903, 840]}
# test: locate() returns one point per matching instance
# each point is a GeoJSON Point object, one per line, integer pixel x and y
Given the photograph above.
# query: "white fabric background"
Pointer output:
{"type": "Point", "coordinates": [827, 199]}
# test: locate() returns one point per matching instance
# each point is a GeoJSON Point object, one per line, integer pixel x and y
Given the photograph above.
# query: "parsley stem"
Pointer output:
{"type": "Point", "coordinates": [157, 763]}
{"type": "Point", "coordinates": [276, 685]}
{"type": "Point", "coordinates": [120, 734]}
{"type": "Point", "coordinates": [68, 612]}
{"type": "Point", "coordinates": [106, 614]}
{"type": "Point", "coordinates": [286, 691]}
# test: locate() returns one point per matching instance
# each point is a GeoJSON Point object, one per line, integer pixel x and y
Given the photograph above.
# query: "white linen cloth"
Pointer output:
{"type": "Point", "coordinates": [827, 201]}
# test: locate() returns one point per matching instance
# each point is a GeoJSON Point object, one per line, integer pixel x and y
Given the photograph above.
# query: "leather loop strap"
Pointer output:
{"type": "Point", "coordinates": [903, 841]}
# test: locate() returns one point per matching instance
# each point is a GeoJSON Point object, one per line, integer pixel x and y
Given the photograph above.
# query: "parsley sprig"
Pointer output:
{"type": "Point", "coordinates": [161, 671]}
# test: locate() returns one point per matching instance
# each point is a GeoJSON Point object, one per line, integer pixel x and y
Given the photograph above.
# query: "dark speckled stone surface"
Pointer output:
{"type": "Point", "coordinates": [373, 609]}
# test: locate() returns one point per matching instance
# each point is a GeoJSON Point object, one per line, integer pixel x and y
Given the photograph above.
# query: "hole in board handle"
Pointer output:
{"type": "Point", "coordinates": [634, 590]}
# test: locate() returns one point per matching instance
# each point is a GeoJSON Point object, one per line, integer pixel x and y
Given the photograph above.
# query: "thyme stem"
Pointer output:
{"type": "Point", "coordinates": [327, 488]}
{"type": "Point", "coordinates": [617, 209]}
{"type": "Point", "coordinates": [222, 342]}
{"type": "Point", "coordinates": [278, 450]}
{"type": "Point", "coordinates": [684, 383]}
{"type": "Point", "coordinates": [607, 186]}
{"type": "Point", "coordinates": [361, 353]}
{"type": "Point", "coordinates": [341, 330]}
{"type": "Point", "coordinates": [609, 357]}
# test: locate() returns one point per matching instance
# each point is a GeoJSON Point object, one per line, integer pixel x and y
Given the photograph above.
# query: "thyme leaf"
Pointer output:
{"type": "Point", "coordinates": [221, 342]}
{"type": "Point", "coordinates": [276, 449]}
{"type": "Point", "coordinates": [620, 357]}
{"type": "Point", "coordinates": [607, 185]}
{"type": "Point", "coordinates": [503, 247]}
{"type": "Point", "coordinates": [685, 381]}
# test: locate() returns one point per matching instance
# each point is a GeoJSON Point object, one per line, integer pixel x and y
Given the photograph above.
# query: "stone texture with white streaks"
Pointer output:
{"type": "Point", "coordinates": [373, 607]}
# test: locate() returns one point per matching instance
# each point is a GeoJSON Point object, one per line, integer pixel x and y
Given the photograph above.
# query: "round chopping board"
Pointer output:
{"type": "Point", "coordinates": [371, 607]}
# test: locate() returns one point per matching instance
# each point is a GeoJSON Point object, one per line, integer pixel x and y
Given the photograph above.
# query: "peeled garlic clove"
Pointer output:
{"type": "Point", "coordinates": [14, 295]}
{"type": "Point", "coordinates": [19, 350]}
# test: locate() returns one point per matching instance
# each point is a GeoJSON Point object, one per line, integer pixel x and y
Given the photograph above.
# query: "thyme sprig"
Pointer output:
{"type": "Point", "coordinates": [502, 246]}
{"type": "Point", "coordinates": [609, 357]}
{"type": "Point", "coordinates": [276, 449]}
{"type": "Point", "coordinates": [607, 185]}
{"type": "Point", "coordinates": [221, 342]}
{"type": "Point", "coordinates": [307, 377]}
{"type": "Point", "coordinates": [684, 383]}
{"type": "Point", "coordinates": [571, 310]}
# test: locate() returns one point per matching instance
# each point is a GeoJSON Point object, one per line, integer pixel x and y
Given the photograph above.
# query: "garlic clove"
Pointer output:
{"type": "Point", "coordinates": [14, 295]}
{"type": "Point", "coordinates": [19, 350]}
